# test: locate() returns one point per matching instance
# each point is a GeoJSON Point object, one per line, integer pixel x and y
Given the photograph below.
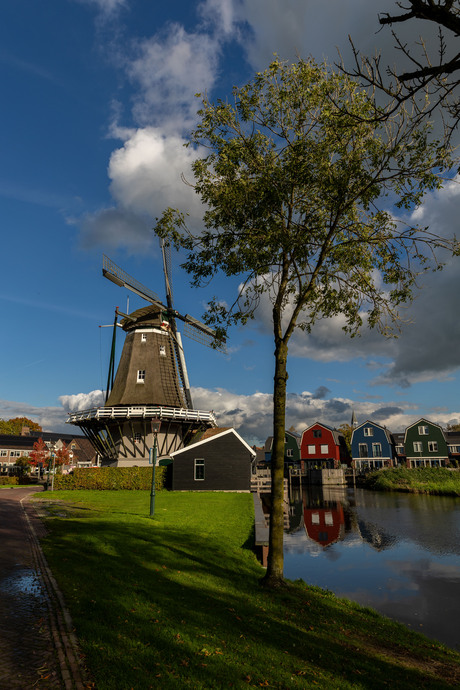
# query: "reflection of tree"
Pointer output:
{"type": "Point", "coordinates": [375, 536]}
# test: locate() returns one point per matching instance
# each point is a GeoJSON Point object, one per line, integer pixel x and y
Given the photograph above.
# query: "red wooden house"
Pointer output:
{"type": "Point", "coordinates": [323, 447]}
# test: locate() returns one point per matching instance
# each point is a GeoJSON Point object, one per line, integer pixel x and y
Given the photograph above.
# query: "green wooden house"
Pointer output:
{"type": "Point", "coordinates": [425, 445]}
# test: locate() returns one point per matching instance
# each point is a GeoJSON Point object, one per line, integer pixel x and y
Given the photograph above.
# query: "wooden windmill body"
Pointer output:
{"type": "Point", "coordinates": [151, 381]}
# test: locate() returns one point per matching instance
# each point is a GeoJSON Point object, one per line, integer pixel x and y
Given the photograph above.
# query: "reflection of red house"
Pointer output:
{"type": "Point", "coordinates": [324, 447]}
{"type": "Point", "coordinates": [325, 525]}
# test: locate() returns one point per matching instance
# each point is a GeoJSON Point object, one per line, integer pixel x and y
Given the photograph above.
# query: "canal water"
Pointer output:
{"type": "Point", "coordinates": [398, 553]}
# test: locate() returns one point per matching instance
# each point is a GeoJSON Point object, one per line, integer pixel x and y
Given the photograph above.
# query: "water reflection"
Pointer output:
{"type": "Point", "coordinates": [398, 553]}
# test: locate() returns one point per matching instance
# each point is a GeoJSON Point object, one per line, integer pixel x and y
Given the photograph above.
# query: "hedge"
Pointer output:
{"type": "Point", "coordinates": [114, 478]}
{"type": "Point", "coordinates": [6, 481]}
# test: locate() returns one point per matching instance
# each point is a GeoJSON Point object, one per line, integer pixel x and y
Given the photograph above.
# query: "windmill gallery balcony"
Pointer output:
{"type": "Point", "coordinates": [142, 412]}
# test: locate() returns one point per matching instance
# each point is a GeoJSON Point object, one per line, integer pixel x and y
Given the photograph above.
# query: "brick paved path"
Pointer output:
{"type": "Point", "coordinates": [37, 645]}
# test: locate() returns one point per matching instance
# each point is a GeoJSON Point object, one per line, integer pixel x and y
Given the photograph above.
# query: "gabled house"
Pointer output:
{"type": "Point", "coordinates": [291, 449]}
{"type": "Point", "coordinates": [372, 447]}
{"type": "Point", "coordinates": [453, 445]}
{"type": "Point", "coordinates": [219, 461]}
{"type": "Point", "coordinates": [425, 445]}
{"type": "Point", "coordinates": [323, 447]}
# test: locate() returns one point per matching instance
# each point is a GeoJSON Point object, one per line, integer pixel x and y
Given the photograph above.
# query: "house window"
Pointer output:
{"type": "Point", "coordinates": [141, 376]}
{"type": "Point", "coordinates": [417, 446]}
{"type": "Point", "coordinates": [432, 446]}
{"type": "Point", "coordinates": [163, 350]}
{"type": "Point", "coordinates": [377, 450]}
{"type": "Point", "coordinates": [368, 431]}
{"type": "Point", "coordinates": [289, 452]}
{"type": "Point", "coordinates": [400, 450]}
{"type": "Point", "coordinates": [137, 438]}
{"type": "Point", "coordinates": [454, 449]}
{"type": "Point", "coordinates": [143, 337]}
{"type": "Point", "coordinates": [3, 453]}
{"type": "Point", "coordinates": [15, 454]}
{"type": "Point", "coordinates": [199, 469]}
{"type": "Point", "coordinates": [311, 450]}
{"type": "Point", "coordinates": [317, 433]}
{"type": "Point", "coordinates": [423, 431]}
{"type": "Point", "coordinates": [363, 451]}
{"type": "Point", "coordinates": [324, 449]}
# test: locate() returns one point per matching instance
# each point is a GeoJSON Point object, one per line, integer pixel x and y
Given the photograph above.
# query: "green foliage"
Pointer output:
{"type": "Point", "coordinates": [173, 602]}
{"type": "Point", "coordinates": [14, 426]}
{"type": "Point", "coordinates": [431, 480]}
{"type": "Point", "coordinates": [112, 478]}
{"type": "Point", "coordinates": [7, 481]}
{"type": "Point", "coordinates": [298, 184]}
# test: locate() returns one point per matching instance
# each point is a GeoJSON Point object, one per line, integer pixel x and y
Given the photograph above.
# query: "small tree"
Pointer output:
{"type": "Point", "coordinates": [62, 457]}
{"type": "Point", "coordinates": [14, 426]}
{"type": "Point", "coordinates": [295, 188]}
{"type": "Point", "coordinates": [23, 465]}
{"type": "Point", "coordinates": [40, 454]}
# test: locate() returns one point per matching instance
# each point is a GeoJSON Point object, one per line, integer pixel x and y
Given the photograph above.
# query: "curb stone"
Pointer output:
{"type": "Point", "coordinates": [62, 629]}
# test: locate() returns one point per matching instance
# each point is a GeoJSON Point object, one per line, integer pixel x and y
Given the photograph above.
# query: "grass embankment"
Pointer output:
{"type": "Point", "coordinates": [175, 601]}
{"type": "Point", "coordinates": [429, 480]}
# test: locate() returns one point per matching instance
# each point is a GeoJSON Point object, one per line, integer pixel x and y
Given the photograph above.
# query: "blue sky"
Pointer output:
{"type": "Point", "coordinates": [97, 100]}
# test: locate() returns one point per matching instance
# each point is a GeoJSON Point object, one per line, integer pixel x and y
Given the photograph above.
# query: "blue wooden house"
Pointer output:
{"type": "Point", "coordinates": [372, 447]}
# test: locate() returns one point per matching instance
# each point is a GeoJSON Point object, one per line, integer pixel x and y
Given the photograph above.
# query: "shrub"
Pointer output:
{"type": "Point", "coordinates": [6, 481]}
{"type": "Point", "coordinates": [111, 478]}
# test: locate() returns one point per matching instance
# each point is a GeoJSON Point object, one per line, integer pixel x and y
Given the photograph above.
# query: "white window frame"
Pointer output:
{"type": "Point", "coordinates": [143, 337]}
{"type": "Point", "coordinates": [376, 446]}
{"type": "Point", "coordinates": [162, 350]}
{"type": "Point", "coordinates": [198, 464]}
{"type": "Point", "coordinates": [366, 447]}
{"type": "Point", "coordinates": [423, 430]}
{"type": "Point", "coordinates": [368, 431]}
{"type": "Point", "coordinates": [418, 447]}
{"type": "Point", "coordinates": [141, 376]}
{"type": "Point", "coordinates": [289, 452]}
{"type": "Point", "coordinates": [432, 446]}
{"type": "Point", "coordinates": [311, 450]}
{"type": "Point", "coordinates": [324, 449]}
{"type": "Point", "coordinates": [3, 453]}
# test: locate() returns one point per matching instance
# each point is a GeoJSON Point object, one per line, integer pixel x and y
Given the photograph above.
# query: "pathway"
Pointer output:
{"type": "Point", "coordinates": [38, 649]}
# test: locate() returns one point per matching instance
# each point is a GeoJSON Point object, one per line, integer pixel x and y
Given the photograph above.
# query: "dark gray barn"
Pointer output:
{"type": "Point", "coordinates": [220, 461]}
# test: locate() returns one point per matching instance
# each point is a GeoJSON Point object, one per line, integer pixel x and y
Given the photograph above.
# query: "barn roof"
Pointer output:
{"type": "Point", "coordinates": [215, 433]}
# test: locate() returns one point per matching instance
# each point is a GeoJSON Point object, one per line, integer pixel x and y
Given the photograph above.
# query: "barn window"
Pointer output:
{"type": "Point", "coordinates": [289, 453]}
{"type": "Point", "coordinates": [368, 431]}
{"type": "Point", "coordinates": [324, 448]}
{"type": "Point", "coordinates": [417, 446]}
{"type": "Point", "coordinates": [363, 450]}
{"type": "Point", "coordinates": [141, 376]}
{"type": "Point", "coordinates": [423, 431]}
{"type": "Point", "coordinates": [377, 450]}
{"type": "Point", "coordinates": [199, 469]}
{"type": "Point", "coordinates": [432, 446]}
{"type": "Point", "coordinates": [311, 450]}
{"type": "Point", "coordinates": [317, 433]}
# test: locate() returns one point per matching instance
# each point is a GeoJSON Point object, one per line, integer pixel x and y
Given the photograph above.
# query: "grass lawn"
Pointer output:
{"type": "Point", "coordinates": [175, 602]}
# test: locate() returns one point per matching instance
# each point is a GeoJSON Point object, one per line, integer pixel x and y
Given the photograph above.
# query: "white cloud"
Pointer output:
{"type": "Point", "coordinates": [82, 401]}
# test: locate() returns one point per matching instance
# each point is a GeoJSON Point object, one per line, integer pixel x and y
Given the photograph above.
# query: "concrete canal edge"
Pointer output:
{"type": "Point", "coordinates": [62, 629]}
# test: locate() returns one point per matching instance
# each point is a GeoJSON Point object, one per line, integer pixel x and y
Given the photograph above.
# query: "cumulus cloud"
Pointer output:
{"type": "Point", "coordinates": [50, 418]}
{"type": "Point", "coordinates": [82, 401]}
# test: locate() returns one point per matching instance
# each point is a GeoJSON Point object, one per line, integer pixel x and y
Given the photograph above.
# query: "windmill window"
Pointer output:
{"type": "Point", "coordinates": [143, 338]}
{"type": "Point", "coordinates": [163, 350]}
{"type": "Point", "coordinates": [199, 469]}
{"type": "Point", "coordinates": [432, 446]}
{"type": "Point", "coordinates": [141, 376]}
{"type": "Point", "coordinates": [368, 431]}
{"type": "Point", "coordinates": [137, 438]}
{"type": "Point", "coordinates": [417, 446]}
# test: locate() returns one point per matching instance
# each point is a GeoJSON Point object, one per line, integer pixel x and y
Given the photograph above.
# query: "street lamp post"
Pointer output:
{"type": "Point", "coordinates": [156, 423]}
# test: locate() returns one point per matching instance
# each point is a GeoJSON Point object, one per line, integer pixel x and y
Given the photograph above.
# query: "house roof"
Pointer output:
{"type": "Point", "coordinates": [212, 437]}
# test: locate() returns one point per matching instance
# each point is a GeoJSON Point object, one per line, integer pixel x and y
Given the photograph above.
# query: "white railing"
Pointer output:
{"type": "Point", "coordinates": [143, 412]}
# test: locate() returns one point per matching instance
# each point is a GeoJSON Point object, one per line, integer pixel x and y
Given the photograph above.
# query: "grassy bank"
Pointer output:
{"type": "Point", "coordinates": [430, 480]}
{"type": "Point", "coordinates": [176, 602]}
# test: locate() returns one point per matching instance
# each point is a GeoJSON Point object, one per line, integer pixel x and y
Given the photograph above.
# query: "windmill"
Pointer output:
{"type": "Point", "coordinates": [151, 381]}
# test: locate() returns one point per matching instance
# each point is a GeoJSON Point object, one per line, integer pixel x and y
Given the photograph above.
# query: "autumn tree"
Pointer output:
{"type": "Point", "coordinates": [40, 453]}
{"type": "Point", "coordinates": [62, 457]}
{"type": "Point", "coordinates": [347, 431]}
{"type": "Point", "coordinates": [14, 426]}
{"type": "Point", "coordinates": [296, 194]}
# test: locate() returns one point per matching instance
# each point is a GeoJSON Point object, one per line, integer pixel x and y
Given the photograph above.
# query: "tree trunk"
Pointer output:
{"type": "Point", "coordinates": [274, 576]}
